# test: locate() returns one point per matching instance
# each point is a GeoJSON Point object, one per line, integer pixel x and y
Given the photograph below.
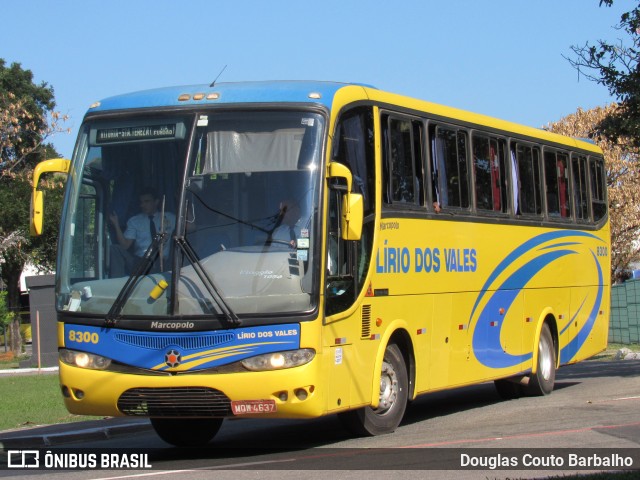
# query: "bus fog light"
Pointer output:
{"type": "Point", "coordinates": [279, 360]}
{"type": "Point", "coordinates": [84, 360]}
{"type": "Point", "coordinates": [301, 394]}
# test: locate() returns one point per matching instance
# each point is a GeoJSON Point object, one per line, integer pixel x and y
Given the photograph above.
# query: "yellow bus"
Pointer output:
{"type": "Point", "coordinates": [298, 249]}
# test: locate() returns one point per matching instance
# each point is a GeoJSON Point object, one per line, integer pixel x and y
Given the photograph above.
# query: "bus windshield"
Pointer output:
{"type": "Point", "coordinates": [192, 215]}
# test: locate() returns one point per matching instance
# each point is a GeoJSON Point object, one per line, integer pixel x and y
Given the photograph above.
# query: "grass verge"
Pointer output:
{"type": "Point", "coordinates": [30, 400]}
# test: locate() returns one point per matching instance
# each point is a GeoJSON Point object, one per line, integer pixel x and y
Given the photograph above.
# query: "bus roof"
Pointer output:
{"type": "Point", "coordinates": [320, 93]}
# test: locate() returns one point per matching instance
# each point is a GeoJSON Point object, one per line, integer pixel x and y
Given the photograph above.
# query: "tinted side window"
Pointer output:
{"type": "Point", "coordinates": [355, 148]}
{"type": "Point", "coordinates": [556, 173]}
{"type": "Point", "coordinates": [580, 195]}
{"type": "Point", "coordinates": [490, 173]}
{"type": "Point", "coordinates": [528, 164]}
{"type": "Point", "coordinates": [449, 154]}
{"type": "Point", "coordinates": [598, 188]}
{"type": "Point", "coordinates": [403, 160]}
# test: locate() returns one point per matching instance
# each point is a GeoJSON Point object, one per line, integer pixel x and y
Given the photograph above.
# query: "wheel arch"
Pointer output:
{"type": "Point", "coordinates": [549, 318]}
{"type": "Point", "coordinates": [397, 333]}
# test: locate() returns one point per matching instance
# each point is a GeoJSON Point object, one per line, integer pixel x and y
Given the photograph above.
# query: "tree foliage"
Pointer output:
{"type": "Point", "coordinates": [616, 67]}
{"type": "Point", "coordinates": [623, 182]}
{"type": "Point", "coordinates": [27, 119]}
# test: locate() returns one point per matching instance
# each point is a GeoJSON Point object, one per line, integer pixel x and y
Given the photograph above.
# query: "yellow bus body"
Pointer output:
{"type": "Point", "coordinates": [442, 283]}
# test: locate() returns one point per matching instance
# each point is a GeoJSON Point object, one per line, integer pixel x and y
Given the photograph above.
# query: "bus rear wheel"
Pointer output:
{"type": "Point", "coordinates": [542, 382]}
{"type": "Point", "coordinates": [186, 432]}
{"type": "Point", "coordinates": [394, 385]}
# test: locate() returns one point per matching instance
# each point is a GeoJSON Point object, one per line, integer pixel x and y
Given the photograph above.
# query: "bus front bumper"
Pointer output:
{"type": "Point", "coordinates": [287, 393]}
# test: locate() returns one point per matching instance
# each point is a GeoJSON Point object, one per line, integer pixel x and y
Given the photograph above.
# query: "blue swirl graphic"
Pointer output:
{"type": "Point", "coordinates": [569, 351]}
{"type": "Point", "coordinates": [486, 334]}
{"type": "Point", "coordinates": [487, 346]}
{"type": "Point", "coordinates": [523, 249]}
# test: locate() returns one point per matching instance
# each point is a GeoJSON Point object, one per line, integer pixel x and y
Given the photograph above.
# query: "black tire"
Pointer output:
{"type": "Point", "coordinates": [507, 389]}
{"type": "Point", "coordinates": [542, 382]}
{"type": "Point", "coordinates": [394, 391]}
{"type": "Point", "coordinates": [186, 432]}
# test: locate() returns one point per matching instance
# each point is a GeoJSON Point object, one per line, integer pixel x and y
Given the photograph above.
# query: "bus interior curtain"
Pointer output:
{"type": "Point", "coordinates": [234, 152]}
{"type": "Point", "coordinates": [440, 180]}
{"type": "Point", "coordinates": [514, 181]}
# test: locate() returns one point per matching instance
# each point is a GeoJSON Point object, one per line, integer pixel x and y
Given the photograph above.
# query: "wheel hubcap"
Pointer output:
{"type": "Point", "coordinates": [546, 358]}
{"type": "Point", "coordinates": [388, 388]}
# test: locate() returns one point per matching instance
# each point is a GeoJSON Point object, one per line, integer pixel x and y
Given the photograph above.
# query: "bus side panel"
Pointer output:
{"type": "Point", "coordinates": [439, 333]}
{"type": "Point", "coordinates": [349, 360]}
{"type": "Point", "coordinates": [586, 331]}
{"type": "Point", "coordinates": [340, 373]}
{"type": "Point", "coordinates": [541, 305]}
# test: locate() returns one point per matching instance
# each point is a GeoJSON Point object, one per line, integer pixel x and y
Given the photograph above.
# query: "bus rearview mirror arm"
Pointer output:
{"type": "Point", "coordinates": [352, 204]}
{"type": "Point", "coordinates": [56, 165]}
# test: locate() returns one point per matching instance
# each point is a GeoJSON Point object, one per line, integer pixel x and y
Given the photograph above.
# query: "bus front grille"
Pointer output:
{"type": "Point", "coordinates": [175, 402]}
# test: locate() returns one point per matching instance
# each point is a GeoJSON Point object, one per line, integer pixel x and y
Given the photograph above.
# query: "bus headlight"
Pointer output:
{"type": "Point", "coordinates": [84, 360]}
{"type": "Point", "coordinates": [279, 360]}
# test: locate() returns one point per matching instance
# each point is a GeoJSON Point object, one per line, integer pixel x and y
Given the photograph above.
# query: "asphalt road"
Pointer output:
{"type": "Point", "coordinates": [595, 405]}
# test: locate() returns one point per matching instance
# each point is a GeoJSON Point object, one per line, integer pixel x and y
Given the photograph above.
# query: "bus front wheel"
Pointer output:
{"type": "Point", "coordinates": [394, 385]}
{"type": "Point", "coordinates": [186, 432]}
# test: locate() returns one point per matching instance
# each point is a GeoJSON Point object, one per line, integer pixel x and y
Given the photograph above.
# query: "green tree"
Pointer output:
{"type": "Point", "coordinates": [27, 119]}
{"type": "Point", "coordinates": [623, 183]}
{"type": "Point", "coordinates": [5, 316]}
{"type": "Point", "coordinates": [616, 67]}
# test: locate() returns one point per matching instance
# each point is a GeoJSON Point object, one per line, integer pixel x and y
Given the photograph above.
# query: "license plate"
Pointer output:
{"type": "Point", "coordinates": [247, 407]}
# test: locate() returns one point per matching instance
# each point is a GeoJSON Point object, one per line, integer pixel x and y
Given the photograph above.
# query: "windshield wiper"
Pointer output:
{"type": "Point", "coordinates": [231, 217]}
{"type": "Point", "coordinates": [140, 269]}
{"type": "Point", "coordinates": [230, 316]}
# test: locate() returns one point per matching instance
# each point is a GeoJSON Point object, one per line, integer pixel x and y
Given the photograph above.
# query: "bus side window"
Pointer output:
{"type": "Point", "coordinates": [450, 172]}
{"type": "Point", "coordinates": [598, 188]}
{"type": "Point", "coordinates": [580, 194]}
{"type": "Point", "coordinates": [402, 161]}
{"type": "Point", "coordinates": [489, 173]}
{"type": "Point", "coordinates": [528, 163]}
{"type": "Point", "coordinates": [556, 183]}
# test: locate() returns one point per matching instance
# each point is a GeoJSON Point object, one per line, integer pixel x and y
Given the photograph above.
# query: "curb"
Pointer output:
{"type": "Point", "coordinates": [54, 435]}
{"type": "Point", "coordinates": [28, 371]}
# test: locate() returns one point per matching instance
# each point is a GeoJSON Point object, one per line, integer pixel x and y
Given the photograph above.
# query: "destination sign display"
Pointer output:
{"type": "Point", "coordinates": [135, 133]}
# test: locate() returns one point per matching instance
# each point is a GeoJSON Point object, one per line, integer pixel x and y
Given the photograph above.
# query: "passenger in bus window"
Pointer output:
{"type": "Point", "coordinates": [138, 235]}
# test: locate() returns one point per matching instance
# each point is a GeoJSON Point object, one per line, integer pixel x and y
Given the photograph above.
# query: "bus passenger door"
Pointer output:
{"type": "Point", "coordinates": [347, 262]}
{"type": "Point", "coordinates": [340, 294]}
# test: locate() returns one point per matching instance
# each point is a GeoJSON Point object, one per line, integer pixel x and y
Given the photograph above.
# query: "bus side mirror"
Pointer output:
{"type": "Point", "coordinates": [57, 165]}
{"type": "Point", "coordinates": [352, 204]}
{"type": "Point", "coordinates": [352, 216]}
{"type": "Point", "coordinates": [36, 210]}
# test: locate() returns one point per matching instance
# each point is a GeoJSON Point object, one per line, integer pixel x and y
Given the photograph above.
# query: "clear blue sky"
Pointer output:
{"type": "Point", "coordinates": [498, 57]}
